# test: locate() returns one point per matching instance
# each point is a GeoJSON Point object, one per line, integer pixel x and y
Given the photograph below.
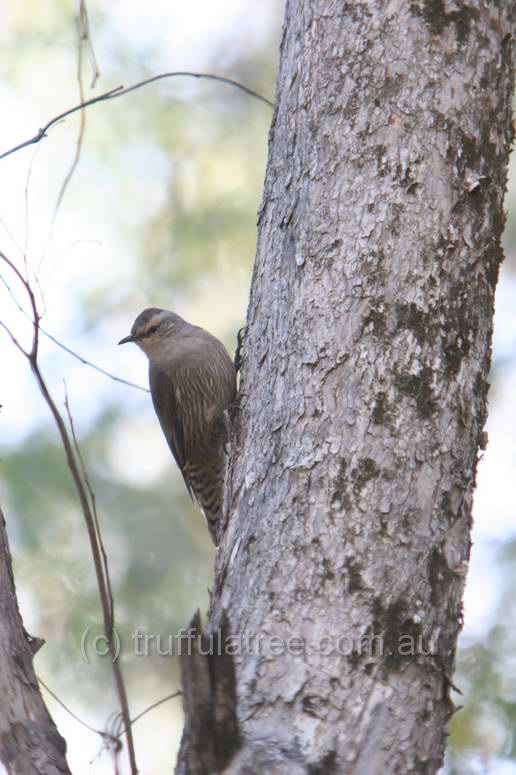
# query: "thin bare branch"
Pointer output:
{"type": "Point", "coordinates": [36, 317]}
{"type": "Point", "coordinates": [206, 76]}
{"type": "Point", "coordinates": [114, 719]}
{"type": "Point", "coordinates": [83, 41]}
{"type": "Point", "coordinates": [13, 339]}
{"type": "Point", "coordinates": [120, 90]}
{"type": "Point", "coordinates": [43, 131]}
{"type": "Point", "coordinates": [25, 252]}
{"type": "Point", "coordinates": [86, 507]}
{"type": "Point", "coordinates": [71, 352]}
{"type": "Point", "coordinates": [11, 236]}
{"type": "Point", "coordinates": [93, 365]}
{"type": "Point", "coordinates": [67, 709]}
{"type": "Point", "coordinates": [109, 741]}
{"type": "Point", "coordinates": [83, 24]}
{"type": "Point", "coordinates": [156, 705]}
{"type": "Point", "coordinates": [26, 219]}
{"type": "Point", "coordinates": [93, 504]}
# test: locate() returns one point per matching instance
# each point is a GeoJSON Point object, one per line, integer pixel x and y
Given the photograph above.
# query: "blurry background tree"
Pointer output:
{"type": "Point", "coordinates": [161, 211]}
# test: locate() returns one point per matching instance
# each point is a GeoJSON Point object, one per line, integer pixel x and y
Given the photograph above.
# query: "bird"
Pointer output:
{"type": "Point", "coordinates": [192, 381]}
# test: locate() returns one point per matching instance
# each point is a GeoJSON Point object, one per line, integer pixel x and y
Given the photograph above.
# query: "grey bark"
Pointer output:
{"type": "Point", "coordinates": [29, 741]}
{"type": "Point", "coordinates": [364, 382]}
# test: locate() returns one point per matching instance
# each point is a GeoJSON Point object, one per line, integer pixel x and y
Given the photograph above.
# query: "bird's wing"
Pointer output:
{"type": "Point", "coordinates": [165, 404]}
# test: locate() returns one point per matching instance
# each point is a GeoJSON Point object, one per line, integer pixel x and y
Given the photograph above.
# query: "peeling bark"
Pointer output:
{"type": "Point", "coordinates": [364, 382]}
{"type": "Point", "coordinates": [29, 741]}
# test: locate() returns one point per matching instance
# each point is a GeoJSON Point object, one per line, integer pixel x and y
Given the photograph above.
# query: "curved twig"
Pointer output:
{"type": "Point", "coordinates": [120, 90]}
{"type": "Point", "coordinates": [68, 350]}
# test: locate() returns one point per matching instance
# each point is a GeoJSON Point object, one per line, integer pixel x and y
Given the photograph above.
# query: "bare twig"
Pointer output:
{"type": "Point", "coordinates": [13, 339]}
{"type": "Point", "coordinates": [105, 568]}
{"type": "Point", "coordinates": [25, 251]}
{"type": "Point", "coordinates": [43, 131]}
{"type": "Point", "coordinates": [26, 202]}
{"type": "Point", "coordinates": [81, 487]}
{"type": "Point", "coordinates": [114, 719]}
{"type": "Point", "coordinates": [83, 39]}
{"type": "Point", "coordinates": [36, 317]}
{"type": "Point", "coordinates": [67, 349]}
{"type": "Point", "coordinates": [83, 42]}
{"type": "Point", "coordinates": [156, 705]}
{"type": "Point", "coordinates": [120, 90]}
{"type": "Point", "coordinates": [110, 742]}
{"type": "Point", "coordinates": [93, 365]}
{"type": "Point", "coordinates": [11, 236]}
{"type": "Point", "coordinates": [83, 24]}
{"type": "Point", "coordinates": [67, 709]}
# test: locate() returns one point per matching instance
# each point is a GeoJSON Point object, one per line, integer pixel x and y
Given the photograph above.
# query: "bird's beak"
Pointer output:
{"type": "Point", "coordinates": [126, 339]}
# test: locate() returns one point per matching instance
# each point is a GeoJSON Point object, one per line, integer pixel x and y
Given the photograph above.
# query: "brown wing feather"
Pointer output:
{"type": "Point", "coordinates": [192, 399]}
{"type": "Point", "coordinates": [166, 407]}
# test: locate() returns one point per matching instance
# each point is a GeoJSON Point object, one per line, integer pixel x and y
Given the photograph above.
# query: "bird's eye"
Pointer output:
{"type": "Point", "coordinates": [151, 330]}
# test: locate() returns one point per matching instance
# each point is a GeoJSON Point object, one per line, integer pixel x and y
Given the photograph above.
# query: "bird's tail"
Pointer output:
{"type": "Point", "coordinates": [206, 483]}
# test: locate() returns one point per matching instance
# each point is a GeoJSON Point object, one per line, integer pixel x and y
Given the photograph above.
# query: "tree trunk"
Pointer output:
{"type": "Point", "coordinates": [29, 741]}
{"type": "Point", "coordinates": [364, 383]}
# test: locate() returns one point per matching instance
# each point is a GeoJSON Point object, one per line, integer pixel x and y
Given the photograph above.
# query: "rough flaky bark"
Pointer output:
{"type": "Point", "coordinates": [364, 382]}
{"type": "Point", "coordinates": [29, 741]}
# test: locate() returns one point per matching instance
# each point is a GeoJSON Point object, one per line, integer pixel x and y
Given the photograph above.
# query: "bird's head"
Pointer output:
{"type": "Point", "coordinates": [153, 328]}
